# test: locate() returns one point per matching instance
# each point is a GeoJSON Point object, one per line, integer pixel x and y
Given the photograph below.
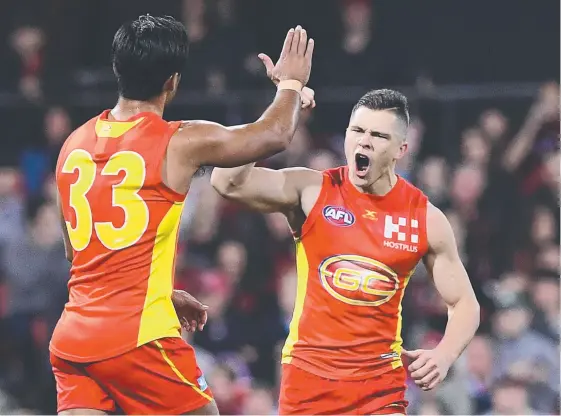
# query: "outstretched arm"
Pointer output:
{"type": "Point", "coordinates": [452, 283]}
{"type": "Point", "coordinates": [204, 143]}
{"type": "Point", "coordinates": [266, 190]}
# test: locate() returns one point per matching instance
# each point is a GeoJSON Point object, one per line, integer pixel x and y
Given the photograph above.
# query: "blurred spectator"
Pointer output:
{"type": "Point", "coordinates": [511, 398]}
{"type": "Point", "coordinates": [480, 356]}
{"type": "Point", "coordinates": [475, 149]}
{"type": "Point", "coordinates": [545, 295]}
{"type": "Point", "coordinates": [520, 349]}
{"type": "Point", "coordinates": [36, 273]}
{"type": "Point", "coordinates": [27, 42]}
{"type": "Point", "coordinates": [259, 401]}
{"type": "Point", "coordinates": [432, 179]}
{"type": "Point", "coordinates": [37, 163]}
{"type": "Point", "coordinates": [11, 207]}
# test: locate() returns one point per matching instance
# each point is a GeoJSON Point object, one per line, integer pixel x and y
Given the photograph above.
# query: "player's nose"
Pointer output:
{"type": "Point", "coordinates": [364, 143]}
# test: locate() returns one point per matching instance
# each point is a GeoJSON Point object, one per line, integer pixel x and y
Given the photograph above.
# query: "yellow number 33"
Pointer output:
{"type": "Point", "coordinates": [124, 195]}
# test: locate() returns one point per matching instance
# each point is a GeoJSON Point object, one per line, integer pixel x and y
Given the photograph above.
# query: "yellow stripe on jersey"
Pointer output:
{"type": "Point", "coordinates": [302, 269]}
{"type": "Point", "coordinates": [159, 319]}
{"type": "Point", "coordinates": [114, 129]}
{"type": "Point", "coordinates": [396, 345]}
{"type": "Point", "coordinates": [178, 373]}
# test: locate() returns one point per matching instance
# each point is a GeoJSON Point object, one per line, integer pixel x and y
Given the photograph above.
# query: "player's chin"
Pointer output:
{"type": "Point", "coordinates": [361, 178]}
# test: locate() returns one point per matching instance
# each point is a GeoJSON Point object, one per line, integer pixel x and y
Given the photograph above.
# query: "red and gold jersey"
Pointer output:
{"type": "Point", "coordinates": [123, 222]}
{"type": "Point", "coordinates": [355, 256]}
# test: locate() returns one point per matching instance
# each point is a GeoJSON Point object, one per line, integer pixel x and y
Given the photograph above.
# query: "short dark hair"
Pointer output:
{"type": "Point", "coordinates": [386, 100]}
{"type": "Point", "coordinates": [146, 52]}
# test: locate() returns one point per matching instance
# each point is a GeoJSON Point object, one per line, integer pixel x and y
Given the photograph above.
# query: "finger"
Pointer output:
{"type": "Point", "coordinates": [411, 354]}
{"type": "Point", "coordinates": [310, 49]}
{"type": "Point", "coordinates": [426, 380]}
{"type": "Point", "coordinates": [267, 61]}
{"type": "Point", "coordinates": [296, 39]}
{"type": "Point", "coordinates": [308, 92]}
{"type": "Point", "coordinates": [432, 384]}
{"type": "Point", "coordinates": [313, 103]}
{"type": "Point", "coordinates": [418, 363]}
{"type": "Point", "coordinates": [287, 43]}
{"type": "Point", "coordinates": [303, 42]}
{"type": "Point", "coordinates": [202, 321]}
{"type": "Point", "coordinates": [421, 372]}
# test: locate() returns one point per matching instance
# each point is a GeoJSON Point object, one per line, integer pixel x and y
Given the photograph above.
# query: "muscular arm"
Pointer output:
{"type": "Point", "coordinates": [452, 283]}
{"type": "Point", "coordinates": [268, 190]}
{"type": "Point", "coordinates": [204, 143]}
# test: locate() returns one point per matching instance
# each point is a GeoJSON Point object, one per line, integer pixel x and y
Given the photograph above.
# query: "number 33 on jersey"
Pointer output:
{"type": "Point", "coordinates": [122, 223]}
{"type": "Point", "coordinates": [124, 195]}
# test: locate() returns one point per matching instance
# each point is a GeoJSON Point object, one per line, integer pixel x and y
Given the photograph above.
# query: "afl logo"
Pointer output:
{"type": "Point", "coordinates": [338, 216]}
{"type": "Point", "coordinates": [358, 280]}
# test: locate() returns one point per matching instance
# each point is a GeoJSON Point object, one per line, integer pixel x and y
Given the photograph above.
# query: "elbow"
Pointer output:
{"type": "Point", "coordinates": [223, 182]}
{"type": "Point", "coordinates": [219, 181]}
{"type": "Point", "coordinates": [469, 307]}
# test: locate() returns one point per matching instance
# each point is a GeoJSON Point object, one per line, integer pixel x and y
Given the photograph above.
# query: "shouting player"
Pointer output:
{"type": "Point", "coordinates": [122, 179]}
{"type": "Point", "coordinates": [360, 230]}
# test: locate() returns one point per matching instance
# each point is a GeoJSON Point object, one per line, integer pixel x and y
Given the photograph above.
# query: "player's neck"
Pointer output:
{"type": "Point", "coordinates": [125, 108]}
{"type": "Point", "coordinates": [381, 186]}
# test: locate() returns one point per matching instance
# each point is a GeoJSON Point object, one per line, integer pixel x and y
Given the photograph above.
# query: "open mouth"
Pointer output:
{"type": "Point", "coordinates": [362, 164]}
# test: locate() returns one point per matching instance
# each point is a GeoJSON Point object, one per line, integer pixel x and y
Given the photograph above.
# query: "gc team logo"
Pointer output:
{"type": "Point", "coordinates": [358, 280]}
{"type": "Point", "coordinates": [338, 216]}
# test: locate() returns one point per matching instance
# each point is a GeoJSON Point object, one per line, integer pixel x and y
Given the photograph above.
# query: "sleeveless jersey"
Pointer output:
{"type": "Point", "coordinates": [355, 255]}
{"type": "Point", "coordinates": [123, 222]}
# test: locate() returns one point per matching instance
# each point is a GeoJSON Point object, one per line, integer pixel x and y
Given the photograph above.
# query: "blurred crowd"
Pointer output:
{"type": "Point", "coordinates": [495, 174]}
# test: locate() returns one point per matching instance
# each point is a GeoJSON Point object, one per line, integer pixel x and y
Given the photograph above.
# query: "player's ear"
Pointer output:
{"type": "Point", "coordinates": [402, 150]}
{"type": "Point", "coordinates": [172, 83]}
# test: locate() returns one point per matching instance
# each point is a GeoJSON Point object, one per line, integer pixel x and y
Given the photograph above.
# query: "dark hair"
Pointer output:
{"type": "Point", "coordinates": [386, 100]}
{"type": "Point", "coordinates": [146, 53]}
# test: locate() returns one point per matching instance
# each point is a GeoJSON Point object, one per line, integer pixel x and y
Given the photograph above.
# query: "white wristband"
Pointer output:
{"type": "Point", "coordinates": [290, 84]}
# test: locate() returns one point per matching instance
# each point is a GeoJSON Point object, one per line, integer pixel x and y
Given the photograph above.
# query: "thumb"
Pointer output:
{"type": "Point", "coordinates": [411, 354]}
{"type": "Point", "coordinates": [267, 61]}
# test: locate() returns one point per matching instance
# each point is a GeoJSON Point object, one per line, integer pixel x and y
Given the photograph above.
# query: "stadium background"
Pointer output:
{"type": "Point", "coordinates": [483, 80]}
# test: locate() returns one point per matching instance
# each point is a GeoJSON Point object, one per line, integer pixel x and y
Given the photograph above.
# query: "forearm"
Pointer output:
{"type": "Point", "coordinates": [463, 321]}
{"type": "Point", "coordinates": [521, 143]}
{"type": "Point", "coordinates": [278, 123]}
{"type": "Point", "coordinates": [229, 147]}
{"type": "Point", "coordinates": [226, 178]}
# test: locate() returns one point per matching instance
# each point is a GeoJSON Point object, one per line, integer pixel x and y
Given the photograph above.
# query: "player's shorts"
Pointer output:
{"type": "Point", "coordinates": [303, 393]}
{"type": "Point", "coordinates": [161, 377]}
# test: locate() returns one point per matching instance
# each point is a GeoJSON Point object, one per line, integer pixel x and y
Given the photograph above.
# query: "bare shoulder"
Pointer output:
{"type": "Point", "coordinates": [308, 183]}
{"type": "Point", "coordinates": [192, 131]}
{"type": "Point", "coordinates": [439, 231]}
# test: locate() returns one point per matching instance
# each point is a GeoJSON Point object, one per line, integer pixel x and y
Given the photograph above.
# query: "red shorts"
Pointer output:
{"type": "Point", "coordinates": [161, 377]}
{"type": "Point", "coordinates": [303, 393]}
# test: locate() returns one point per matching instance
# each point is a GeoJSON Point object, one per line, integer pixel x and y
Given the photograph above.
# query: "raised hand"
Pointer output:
{"type": "Point", "coordinates": [295, 61]}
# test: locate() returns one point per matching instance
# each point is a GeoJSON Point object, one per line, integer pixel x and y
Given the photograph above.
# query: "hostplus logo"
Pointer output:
{"type": "Point", "coordinates": [397, 238]}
